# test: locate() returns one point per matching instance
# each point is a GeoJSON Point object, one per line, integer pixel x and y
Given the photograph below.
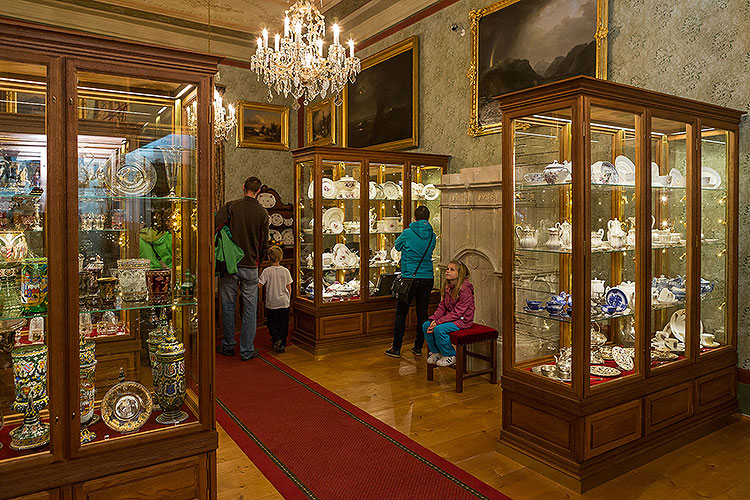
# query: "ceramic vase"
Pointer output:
{"type": "Point", "coordinates": [87, 372]}
{"type": "Point", "coordinates": [170, 373]}
{"type": "Point", "coordinates": [10, 293]}
{"type": "Point", "coordinates": [30, 377]}
{"type": "Point", "coordinates": [132, 276]}
{"type": "Point", "coordinates": [158, 284]}
{"type": "Point", "coordinates": [155, 338]}
{"type": "Point", "coordinates": [34, 286]}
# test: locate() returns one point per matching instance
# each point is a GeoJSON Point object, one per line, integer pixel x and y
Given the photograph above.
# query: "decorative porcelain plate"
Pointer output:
{"type": "Point", "coordinates": [606, 352]}
{"type": "Point", "coordinates": [275, 219]}
{"type": "Point", "coordinates": [713, 176]}
{"type": "Point", "coordinates": [266, 200]}
{"type": "Point", "coordinates": [126, 407]}
{"type": "Point", "coordinates": [623, 358]}
{"type": "Point", "coordinates": [330, 191]}
{"type": "Point", "coordinates": [663, 355]}
{"type": "Point", "coordinates": [274, 235]}
{"type": "Point", "coordinates": [390, 190]}
{"type": "Point", "coordinates": [395, 255]}
{"type": "Point", "coordinates": [604, 371]}
{"type": "Point", "coordinates": [431, 192]}
{"type": "Point", "coordinates": [332, 214]}
{"type": "Point", "coordinates": [289, 221]}
{"type": "Point", "coordinates": [617, 298]}
{"type": "Point", "coordinates": [677, 325]}
{"type": "Point", "coordinates": [310, 191]}
{"type": "Point", "coordinates": [372, 192]}
{"type": "Point", "coordinates": [287, 237]}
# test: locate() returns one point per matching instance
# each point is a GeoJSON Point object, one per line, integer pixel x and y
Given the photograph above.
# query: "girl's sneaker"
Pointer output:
{"type": "Point", "coordinates": [446, 361]}
{"type": "Point", "coordinates": [433, 358]}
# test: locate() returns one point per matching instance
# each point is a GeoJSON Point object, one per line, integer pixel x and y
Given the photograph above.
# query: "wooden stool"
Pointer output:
{"type": "Point", "coordinates": [463, 338]}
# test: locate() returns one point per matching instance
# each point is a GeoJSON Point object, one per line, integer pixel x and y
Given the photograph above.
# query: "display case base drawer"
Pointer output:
{"type": "Point", "coordinates": [714, 389]}
{"type": "Point", "coordinates": [611, 428]}
{"type": "Point", "coordinates": [549, 430]}
{"type": "Point", "coordinates": [342, 325]}
{"type": "Point", "coordinates": [179, 480]}
{"type": "Point", "coordinates": [669, 406]}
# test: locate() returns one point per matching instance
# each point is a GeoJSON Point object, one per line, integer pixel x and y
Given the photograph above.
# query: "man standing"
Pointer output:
{"type": "Point", "coordinates": [248, 222]}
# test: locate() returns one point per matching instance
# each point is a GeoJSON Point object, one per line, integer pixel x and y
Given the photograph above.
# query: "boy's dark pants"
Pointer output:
{"type": "Point", "coordinates": [277, 321]}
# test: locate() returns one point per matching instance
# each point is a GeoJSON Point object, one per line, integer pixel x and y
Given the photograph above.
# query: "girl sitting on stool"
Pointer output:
{"type": "Point", "coordinates": [455, 312]}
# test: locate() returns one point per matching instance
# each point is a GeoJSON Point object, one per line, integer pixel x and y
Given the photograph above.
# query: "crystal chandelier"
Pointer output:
{"type": "Point", "coordinates": [224, 118]}
{"type": "Point", "coordinates": [296, 64]}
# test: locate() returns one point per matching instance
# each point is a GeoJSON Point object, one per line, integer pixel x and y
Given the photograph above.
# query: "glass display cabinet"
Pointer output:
{"type": "Point", "coordinates": [619, 274]}
{"type": "Point", "coordinates": [351, 206]}
{"type": "Point", "coordinates": [106, 267]}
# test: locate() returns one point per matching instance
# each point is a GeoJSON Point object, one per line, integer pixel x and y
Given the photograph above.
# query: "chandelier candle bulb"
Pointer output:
{"type": "Point", "coordinates": [276, 42]}
{"type": "Point", "coordinates": [260, 45]}
{"type": "Point", "coordinates": [286, 26]}
{"type": "Point", "coordinates": [351, 48]}
{"type": "Point", "coordinates": [298, 31]}
{"type": "Point", "coordinates": [335, 28]}
{"type": "Point", "coordinates": [265, 38]}
{"type": "Point", "coordinates": [320, 47]}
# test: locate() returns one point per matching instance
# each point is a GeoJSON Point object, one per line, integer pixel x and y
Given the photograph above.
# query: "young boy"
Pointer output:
{"type": "Point", "coordinates": [278, 282]}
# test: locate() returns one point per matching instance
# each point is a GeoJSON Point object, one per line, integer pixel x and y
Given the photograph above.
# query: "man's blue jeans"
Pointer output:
{"type": "Point", "coordinates": [246, 280]}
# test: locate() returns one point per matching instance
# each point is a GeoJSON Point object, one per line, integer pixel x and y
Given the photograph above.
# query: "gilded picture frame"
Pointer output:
{"type": "Point", "coordinates": [262, 126]}
{"type": "Point", "coordinates": [381, 109]}
{"type": "Point", "coordinates": [321, 123]}
{"type": "Point", "coordinates": [478, 126]}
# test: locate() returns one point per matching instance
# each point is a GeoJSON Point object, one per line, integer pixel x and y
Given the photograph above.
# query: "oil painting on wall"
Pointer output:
{"type": "Point", "coordinates": [519, 44]}
{"type": "Point", "coordinates": [381, 108]}
{"type": "Point", "coordinates": [262, 126]}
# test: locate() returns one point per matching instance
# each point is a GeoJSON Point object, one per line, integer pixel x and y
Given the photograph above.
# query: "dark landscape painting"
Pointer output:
{"type": "Point", "coordinates": [380, 105]}
{"type": "Point", "coordinates": [530, 43]}
{"type": "Point", "coordinates": [321, 121]}
{"type": "Point", "coordinates": [263, 126]}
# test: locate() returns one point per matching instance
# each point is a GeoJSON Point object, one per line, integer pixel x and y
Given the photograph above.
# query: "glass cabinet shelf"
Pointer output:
{"type": "Point", "coordinates": [132, 306]}
{"type": "Point", "coordinates": [104, 197]}
{"type": "Point", "coordinates": [598, 186]}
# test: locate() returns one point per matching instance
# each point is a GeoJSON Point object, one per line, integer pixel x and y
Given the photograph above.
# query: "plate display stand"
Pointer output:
{"type": "Point", "coordinates": [351, 207]}
{"type": "Point", "coordinates": [106, 225]}
{"type": "Point", "coordinates": [619, 254]}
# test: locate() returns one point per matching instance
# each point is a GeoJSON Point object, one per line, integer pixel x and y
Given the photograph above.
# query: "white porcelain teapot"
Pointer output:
{"type": "Point", "coordinates": [527, 236]}
{"type": "Point", "coordinates": [615, 233]}
{"type": "Point", "coordinates": [553, 239]}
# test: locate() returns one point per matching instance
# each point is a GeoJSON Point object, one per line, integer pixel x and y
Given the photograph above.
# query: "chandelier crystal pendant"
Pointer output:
{"type": "Point", "coordinates": [296, 64]}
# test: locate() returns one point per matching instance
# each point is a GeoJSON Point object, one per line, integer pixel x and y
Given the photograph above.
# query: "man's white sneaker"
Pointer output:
{"type": "Point", "coordinates": [446, 361]}
{"type": "Point", "coordinates": [433, 358]}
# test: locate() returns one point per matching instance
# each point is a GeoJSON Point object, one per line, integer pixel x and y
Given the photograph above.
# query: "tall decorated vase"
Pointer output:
{"type": "Point", "coordinates": [30, 377]}
{"type": "Point", "coordinates": [10, 292]}
{"type": "Point", "coordinates": [155, 338]}
{"type": "Point", "coordinates": [170, 374]}
{"type": "Point", "coordinates": [87, 374]}
{"type": "Point", "coordinates": [132, 276]}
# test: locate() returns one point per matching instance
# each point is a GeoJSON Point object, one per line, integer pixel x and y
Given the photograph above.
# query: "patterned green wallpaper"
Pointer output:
{"type": "Point", "coordinates": [698, 49]}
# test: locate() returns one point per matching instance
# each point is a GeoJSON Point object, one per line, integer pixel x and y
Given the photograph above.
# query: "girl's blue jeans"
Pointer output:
{"type": "Point", "coordinates": [439, 340]}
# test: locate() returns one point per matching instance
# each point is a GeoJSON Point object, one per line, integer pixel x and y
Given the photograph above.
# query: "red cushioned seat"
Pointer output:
{"type": "Point", "coordinates": [475, 333]}
{"type": "Point", "coordinates": [461, 339]}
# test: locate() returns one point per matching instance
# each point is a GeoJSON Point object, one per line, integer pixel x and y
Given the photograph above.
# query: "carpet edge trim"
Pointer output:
{"type": "Point", "coordinates": [276, 461]}
{"type": "Point", "coordinates": [382, 434]}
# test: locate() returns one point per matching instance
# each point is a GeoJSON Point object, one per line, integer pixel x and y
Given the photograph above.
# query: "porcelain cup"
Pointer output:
{"type": "Point", "coordinates": [661, 180]}
{"type": "Point", "coordinates": [534, 305]}
{"type": "Point", "coordinates": [675, 238]}
{"type": "Point", "coordinates": [666, 296]}
{"type": "Point", "coordinates": [534, 178]}
{"type": "Point", "coordinates": [707, 338]}
{"type": "Point", "coordinates": [661, 336]}
{"type": "Point", "coordinates": [596, 238]}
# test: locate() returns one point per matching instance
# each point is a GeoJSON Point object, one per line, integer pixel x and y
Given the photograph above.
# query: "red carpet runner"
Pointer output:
{"type": "Point", "coordinates": [312, 444]}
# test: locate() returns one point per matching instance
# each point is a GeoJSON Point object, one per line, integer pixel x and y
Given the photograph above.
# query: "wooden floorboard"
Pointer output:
{"type": "Point", "coordinates": [463, 428]}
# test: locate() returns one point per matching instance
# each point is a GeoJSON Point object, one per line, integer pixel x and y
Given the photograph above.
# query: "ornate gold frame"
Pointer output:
{"type": "Point", "coordinates": [308, 123]}
{"type": "Point", "coordinates": [411, 43]}
{"type": "Point", "coordinates": [283, 111]}
{"type": "Point", "coordinates": [475, 16]}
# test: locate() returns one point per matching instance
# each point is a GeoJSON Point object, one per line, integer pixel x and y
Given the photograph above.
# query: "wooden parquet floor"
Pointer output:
{"type": "Point", "coordinates": [463, 429]}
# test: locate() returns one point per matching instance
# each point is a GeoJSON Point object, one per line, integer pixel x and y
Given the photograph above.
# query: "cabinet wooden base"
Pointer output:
{"type": "Point", "coordinates": [585, 450]}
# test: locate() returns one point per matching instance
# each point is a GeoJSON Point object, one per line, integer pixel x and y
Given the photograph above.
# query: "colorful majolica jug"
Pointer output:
{"type": "Point", "coordinates": [30, 377]}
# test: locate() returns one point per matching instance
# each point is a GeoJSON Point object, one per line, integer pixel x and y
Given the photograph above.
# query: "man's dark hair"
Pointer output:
{"type": "Point", "coordinates": [252, 184]}
{"type": "Point", "coordinates": [421, 213]}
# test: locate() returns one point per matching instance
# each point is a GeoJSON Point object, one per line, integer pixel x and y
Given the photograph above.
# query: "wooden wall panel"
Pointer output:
{"type": "Point", "coordinates": [380, 321]}
{"type": "Point", "coordinates": [714, 388]}
{"type": "Point", "coordinates": [180, 480]}
{"type": "Point", "coordinates": [669, 406]}
{"type": "Point", "coordinates": [43, 495]}
{"type": "Point", "coordinates": [611, 428]}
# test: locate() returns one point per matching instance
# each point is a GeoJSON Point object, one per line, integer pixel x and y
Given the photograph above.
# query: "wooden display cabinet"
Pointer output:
{"type": "Point", "coordinates": [340, 300]}
{"type": "Point", "coordinates": [625, 200]}
{"type": "Point", "coordinates": [99, 138]}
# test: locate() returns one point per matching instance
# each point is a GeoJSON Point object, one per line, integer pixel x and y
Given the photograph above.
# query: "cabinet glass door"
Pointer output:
{"type": "Point", "coordinates": [137, 207]}
{"type": "Point", "coordinates": [614, 184]}
{"type": "Point", "coordinates": [386, 210]}
{"type": "Point", "coordinates": [543, 274]}
{"type": "Point", "coordinates": [340, 225]}
{"type": "Point", "coordinates": [24, 379]}
{"type": "Point", "coordinates": [306, 238]}
{"type": "Point", "coordinates": [714, 239]}
{"type": "Point", "coordinates": [669, 201]}
{"type": "Point", "coordinates": [424, 178]}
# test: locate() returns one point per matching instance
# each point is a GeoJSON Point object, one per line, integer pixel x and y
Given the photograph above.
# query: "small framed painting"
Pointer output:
{"type": "Point", "coordinates": [320, 123]}
{"type": "Point", "coordinates": [262, 126]}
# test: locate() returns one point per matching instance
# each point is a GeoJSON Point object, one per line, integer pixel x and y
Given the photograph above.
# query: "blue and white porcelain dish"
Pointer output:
{"type": "Point", "coordinates": [616, 297]}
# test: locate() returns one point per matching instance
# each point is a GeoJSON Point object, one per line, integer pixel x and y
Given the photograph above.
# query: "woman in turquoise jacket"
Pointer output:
{"type": "Point", "coordinates": [416, 244]}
